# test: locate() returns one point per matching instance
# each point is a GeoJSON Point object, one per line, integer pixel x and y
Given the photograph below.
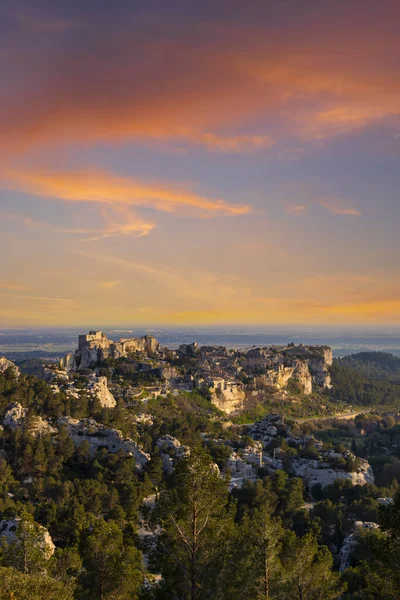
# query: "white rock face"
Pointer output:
{"type": "Point", "coordinates": [172, 450]}
{"type": "Point", "coordinates": [264, 431]}
{"type": "Point", "coordinates": [68, 362]}
{"type": "Point", "coordinates": [95, 346]}
{"type": "Point", "coordinates": [228, 396]}
{"type": "Point", "coordinates": [7, 364]}
{"type": "Point", "coordinates": [98, 387]}
{"type": "Point", "coordinates": [13, 531]}
{"type": "Point", "coordinates": [168, 441]}
{"type": "Point", "coordinates": [16, 417]}
{"type": "Point", "coordinates": [351, 542]}
{"type": "Point", "coordinates": [100, 436]}
{"type": "Point", "coordinates": [314, 472]}
{"type": "Point", "coordinates": [308, 365]}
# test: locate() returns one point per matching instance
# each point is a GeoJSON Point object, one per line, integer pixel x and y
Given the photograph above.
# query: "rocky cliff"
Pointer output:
{"type": "Point", "coordinates": [100, 436]}
{"type": "Point", "coordinates": [228, 400]}
{"type": "Point", "coordinates": [98, 388]}
{"type": "Point", "coordinates": [7, 364]}
{"type": "Point", "coordinates": [15, 530]}
{"type": "Point", "coordinates": [307, 365]}
{"type": "Point", "coordinates": [95, 347]}
{"type": "Point", "coordinates": [16, 417]}
{"type": "Point", "coordinates": [314, 472]}
{"type": "Point", "coordinates": [351, 542]}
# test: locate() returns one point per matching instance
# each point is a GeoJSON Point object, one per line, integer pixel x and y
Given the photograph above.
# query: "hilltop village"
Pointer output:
{"type": "Point", "coordinates": [131, 402]}
{"type": "Point", "coordinates": [137, 370]}
{"type": "Point", "coordinates": [228, 376]}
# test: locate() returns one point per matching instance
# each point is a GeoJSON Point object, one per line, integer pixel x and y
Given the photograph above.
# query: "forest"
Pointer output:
{"type": "Point", "coordinates": [123, 532]}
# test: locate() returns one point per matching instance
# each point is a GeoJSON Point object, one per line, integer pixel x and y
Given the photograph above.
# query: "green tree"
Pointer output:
{"type": "Point", "coordinates": [113, 570]}
{"type": "Point", "coordinates": [254, 568]}
{"type": "Point", "coordinates": [381, 575]}
{"type": "Point", "coordinates": [196, 526]}
{"type": "Point", "coordinates": [19, 586]}
{"type": "Point", "coordinates": [308, 569]}
{"type": "Point", "coordinates": [29, 551]}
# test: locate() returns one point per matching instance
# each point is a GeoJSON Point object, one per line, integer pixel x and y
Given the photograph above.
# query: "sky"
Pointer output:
{"type": "Point", "coordinates": [190, 163]}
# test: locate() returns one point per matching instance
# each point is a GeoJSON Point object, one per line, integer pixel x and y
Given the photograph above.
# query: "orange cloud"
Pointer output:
{"type": "Point", "coordinates": [106, 188]}
{"type": "Point", "coordinates": [109, 285]}
{"type": "Point", "coordinates": [295, 209]}
{"type": "Point", "coordinates": [119, 220]}
{"type": "Point", "coordinates": [233, 143]}
{"type": "Point", "coordinates": [338, 207]}
{"type": "Point", "coordinates": [12, 286]}
{"type": "Point", "coordinates": [138, 86]}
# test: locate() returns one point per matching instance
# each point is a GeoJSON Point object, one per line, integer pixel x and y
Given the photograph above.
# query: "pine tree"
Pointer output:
{"type": "Point", "coordinates": [19, 586]}
{"type": "Point", "coordinates": [254, 568]}
{"type": "Point", "coordinates": [308, 569]}
{"type": "Point", "coordinates": [112, 570]}
{"type": "Point", "coordinates": [196, 524]}
{"type": "Point", "coordinates": [28, 552]}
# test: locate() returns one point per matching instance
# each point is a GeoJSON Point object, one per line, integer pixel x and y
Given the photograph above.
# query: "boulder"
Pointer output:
{"type": "Point", "coordinates": [98, 387]}
{"type": "Point", "coordinates": [16, 416]}
{"type": "Point", "coordinates": [351, 542]}
{"type": "Point", "coordinates": [7, 364]}
{"type": "Point", "coordinates": [314, 471]}
{"type": "Point", "coordinates": [14, 530]}
{"type": "Point", "coordinates": [100, 436]}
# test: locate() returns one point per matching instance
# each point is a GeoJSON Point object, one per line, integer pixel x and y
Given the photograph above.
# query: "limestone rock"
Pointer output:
{"type": "Point", "coordinates": [7, 364]}
{"type": "Point", "coordinates": [170, 451]}
{"type": "Point", "coordinates": [314, 471]}
{"type": "Point", "coordinates": [229, 399]}
{"type": "Point", "coordinates": [264, 431]}
{"type": "Point", "coordinates": [308, 365]}
{"type": "Point", "coordinates": [100, 436]}
{"type": "Point", "coordinates": [98, 387]}
{"type": "Point", "coordinates": [16, 416]}
{"type": "Point", "coordinates": [95, 347]}
{"type": "Point", "coordinates": [169, 442]}
{"type": "Point", "coordinates": [188, 349]}
{"type": "Point", "coordinates": [13, 530]}
{"type": "Point", "coordinates": [351, 542]}
{"type": "Point", "coordinates": [68, 362]}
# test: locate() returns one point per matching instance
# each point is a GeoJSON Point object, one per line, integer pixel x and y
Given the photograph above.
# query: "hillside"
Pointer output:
{"type": "Point", "coordinates": [367, 378]}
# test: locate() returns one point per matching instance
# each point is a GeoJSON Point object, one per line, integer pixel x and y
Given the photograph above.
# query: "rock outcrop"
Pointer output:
{"type": "Point", "coordinates": [229, 397]}
{"type": "Point", "coordinates": [95, 347]}
{"type": "Point", "coordinates": [264, 431]}
{"type": "Point", "coordinates": [351, 542]}
{"type": "Point", "coordinates": [98, 388]}
{"type": "Point", "coordinates": [7, 364]}
{"type": "Point", "coordinates": [100, 436]}
{"type": "Point", "coordinates": [16, 416]}
{"type": "Point", "coordinates": [307, 365]}
{"type": "Point", "coordinates": [171, 450]}
{"type": "Point", "coordinates": [314, 472]}
{"type": "Point", "coordinates": [15, 530]}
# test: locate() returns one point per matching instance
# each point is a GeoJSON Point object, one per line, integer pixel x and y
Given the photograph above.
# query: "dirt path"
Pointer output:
{"type": "Point", "coordinates": [345, 416]}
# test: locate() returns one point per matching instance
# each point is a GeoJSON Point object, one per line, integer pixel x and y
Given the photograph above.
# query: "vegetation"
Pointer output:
{"type": "Point", "coordinates": [367, 379]}
{"type": "Point", "coordinates": [189, 534]}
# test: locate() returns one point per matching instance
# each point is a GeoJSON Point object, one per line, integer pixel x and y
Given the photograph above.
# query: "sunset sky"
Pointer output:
{"type": "Point", "coordinates": [213, 162]}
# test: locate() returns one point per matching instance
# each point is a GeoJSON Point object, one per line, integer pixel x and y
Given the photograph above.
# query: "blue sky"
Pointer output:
{"type": "Point", "coordinates": [194, 163]}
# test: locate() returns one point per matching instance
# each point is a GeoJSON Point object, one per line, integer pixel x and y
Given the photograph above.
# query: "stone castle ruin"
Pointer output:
{"type": "Point", "coordinates": [95, 347]}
